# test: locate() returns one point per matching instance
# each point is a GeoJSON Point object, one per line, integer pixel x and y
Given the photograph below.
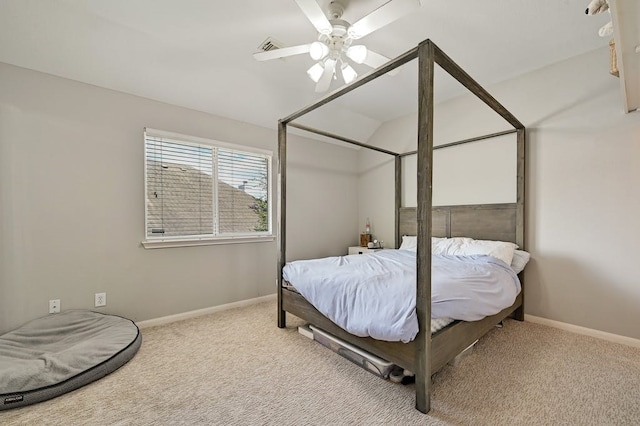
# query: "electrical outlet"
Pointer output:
{"type": "Point", "coordinates": [101, 299]}
{"type": "Point", "coordinates": [54, 306]}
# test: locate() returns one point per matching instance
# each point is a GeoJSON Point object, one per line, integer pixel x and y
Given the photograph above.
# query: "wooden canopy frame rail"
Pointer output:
{"type": "Point", "coordinates": [418, 356]}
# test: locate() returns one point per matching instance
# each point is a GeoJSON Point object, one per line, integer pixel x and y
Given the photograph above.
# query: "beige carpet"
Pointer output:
{"type": "Point", "coordinates": [237, 367]}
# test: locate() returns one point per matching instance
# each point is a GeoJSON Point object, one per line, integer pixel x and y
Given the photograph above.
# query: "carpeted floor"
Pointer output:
{"type": "Point", "coordinates": [237, 367]}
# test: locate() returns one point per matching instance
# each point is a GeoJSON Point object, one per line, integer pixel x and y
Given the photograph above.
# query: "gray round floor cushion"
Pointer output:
{"type": "Point", "coordinates": [52, 355]}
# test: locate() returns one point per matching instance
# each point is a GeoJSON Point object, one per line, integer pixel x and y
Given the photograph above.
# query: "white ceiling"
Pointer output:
{"type": "Point", "coordinates": [198, 53]}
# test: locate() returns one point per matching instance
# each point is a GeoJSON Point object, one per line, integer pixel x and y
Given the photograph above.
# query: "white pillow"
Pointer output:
{"type": "Point", "coordinates": [499, 249]}
{"type": "Point", "coordinates": [448, 245]}
{"type": "Point", "coordinates": [410, 242]}
{"type": "Point", "coordinates": [520, 259]}
{"type": "Point", "coordinates": [463, 246]}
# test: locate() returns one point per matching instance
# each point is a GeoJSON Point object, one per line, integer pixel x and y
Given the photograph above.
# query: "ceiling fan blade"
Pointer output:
{"type": "Point", "coordinates": [315, 14]}
{"type": "Point", "coordinates": [282, 52]}
{"type": "Point", "coordinates": [376, 60]}
{"type": "Point", "coordinates": [325, 79]}
{"type": "Point", "coordinates": [384, 15]}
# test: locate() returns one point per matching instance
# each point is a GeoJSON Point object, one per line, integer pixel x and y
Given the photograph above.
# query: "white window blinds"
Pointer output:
{"type": "Point", "coordinates": [203, 190]}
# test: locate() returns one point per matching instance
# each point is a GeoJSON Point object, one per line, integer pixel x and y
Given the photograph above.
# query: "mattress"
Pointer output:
{"type": "Point", "coordinates": [374, 295]}
{"type": "Point", "coordinates": [58, 353]}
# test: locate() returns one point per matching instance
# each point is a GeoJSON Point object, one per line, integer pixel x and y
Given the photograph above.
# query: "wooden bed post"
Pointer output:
{"type": "Point", "coordinates": [398, 198]}
{"type": "Point", "coordinates": [520, 222]}
{"type": "Point", "coordinates": [282, 216]}
{"type": "Point", "coordinates": [425, 174]}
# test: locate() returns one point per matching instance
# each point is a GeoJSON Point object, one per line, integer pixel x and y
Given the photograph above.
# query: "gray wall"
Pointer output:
{"type": "Point", "coordinates": [72, 206]}
{"type": "Point", "coordinates": [582, 197]}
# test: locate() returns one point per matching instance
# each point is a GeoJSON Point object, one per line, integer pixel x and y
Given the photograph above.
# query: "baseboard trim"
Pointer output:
{"type": "Point", "coordinates": [629, 341]}
{"type": "Point", "coordinates": [201, 312]}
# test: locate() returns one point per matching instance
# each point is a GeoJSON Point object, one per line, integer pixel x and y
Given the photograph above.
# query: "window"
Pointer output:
{"type": "Point", "coordinates": [204, 191]}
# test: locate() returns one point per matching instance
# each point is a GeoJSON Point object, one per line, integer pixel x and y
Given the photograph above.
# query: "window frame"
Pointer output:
{"type": "Point", "coordinates": [201, 240]}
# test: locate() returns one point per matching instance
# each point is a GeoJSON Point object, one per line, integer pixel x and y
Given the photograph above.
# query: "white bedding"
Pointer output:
{"type": "Point", "coordinates": [374, 294]}
{"type": "Point", "coordinates": [436, 323]}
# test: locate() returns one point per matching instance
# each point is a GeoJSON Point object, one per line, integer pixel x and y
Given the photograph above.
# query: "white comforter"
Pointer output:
{"type": "Point", "coordinates": [374, 294]}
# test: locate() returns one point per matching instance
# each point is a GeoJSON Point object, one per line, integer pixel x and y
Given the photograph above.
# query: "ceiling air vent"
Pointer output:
{"type": "Point", "coordinates": [270, 44]}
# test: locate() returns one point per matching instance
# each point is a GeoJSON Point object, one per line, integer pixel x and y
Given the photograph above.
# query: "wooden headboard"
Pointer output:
{"type": "Point", "coordinates": [478, 221]}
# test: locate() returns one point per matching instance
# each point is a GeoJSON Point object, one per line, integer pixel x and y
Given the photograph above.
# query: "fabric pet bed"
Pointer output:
{"type": "Point", "coordinates": [52, 355]}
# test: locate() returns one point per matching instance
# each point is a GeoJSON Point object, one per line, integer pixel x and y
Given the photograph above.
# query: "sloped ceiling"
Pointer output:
{"type": "Point", "coordinates": [198, 54]}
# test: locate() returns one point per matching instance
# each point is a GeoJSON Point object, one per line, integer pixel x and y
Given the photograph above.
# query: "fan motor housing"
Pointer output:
{"type": "Point", "coordinates": [336, 9]}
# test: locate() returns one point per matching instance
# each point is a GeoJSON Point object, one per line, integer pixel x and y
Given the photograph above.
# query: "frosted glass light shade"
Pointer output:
{"type": "Point", "coordinates": [357, 53]}
{"type": "Point", "coordinates": [348, 73]}
{"type": "Point", "coordinates": [318, 50]}
{"type": "Point", "coordinates": [315, 72]}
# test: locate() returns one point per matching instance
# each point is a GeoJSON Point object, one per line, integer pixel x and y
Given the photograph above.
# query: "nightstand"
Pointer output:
{"type": "Point", "coordinates": [362, 250]}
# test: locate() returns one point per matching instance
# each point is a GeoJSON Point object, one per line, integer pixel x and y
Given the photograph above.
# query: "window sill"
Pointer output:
{"type": "Point", "coordinates": [167, 243]}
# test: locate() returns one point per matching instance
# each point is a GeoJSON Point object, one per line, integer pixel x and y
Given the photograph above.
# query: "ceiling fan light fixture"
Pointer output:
{"type": "Point", "coordinates": [357, 53]}
{"type": "Point", "coordinates": [333, 50]}
{"type": "Point", "coordinates": [315, 72]}
{"type": "Point", "coordinates": [318, 50]}
{"type": "Point", "coordinates": [348, 73]}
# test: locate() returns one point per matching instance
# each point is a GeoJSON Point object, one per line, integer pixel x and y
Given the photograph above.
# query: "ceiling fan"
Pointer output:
{"type": "Point", "coordinates": [335, 41]}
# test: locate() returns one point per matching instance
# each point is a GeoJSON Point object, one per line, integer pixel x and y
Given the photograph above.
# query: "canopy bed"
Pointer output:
{"type": "Point", "coordinates": [427, 352]}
